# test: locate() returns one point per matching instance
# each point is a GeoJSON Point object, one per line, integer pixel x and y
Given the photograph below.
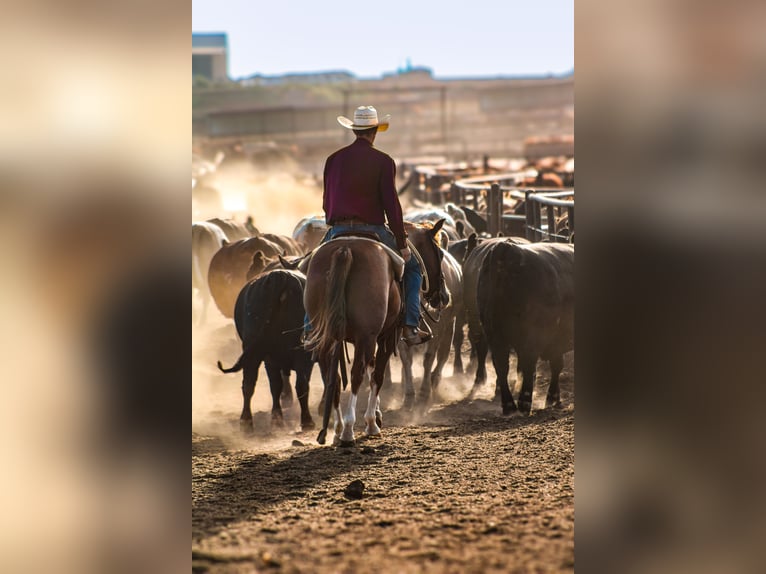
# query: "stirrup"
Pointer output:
{"type": "Point", "coordinates": [415, 336]}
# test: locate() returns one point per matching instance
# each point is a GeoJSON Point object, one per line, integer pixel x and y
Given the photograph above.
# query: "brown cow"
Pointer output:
{"type": "Point", "coordinates": [229, 267]}
{"type": "Point", "coordinates": [233, 229]}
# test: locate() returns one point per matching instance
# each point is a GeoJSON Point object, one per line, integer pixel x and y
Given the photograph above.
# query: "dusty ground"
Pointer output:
{"type": "Point", "coordinates": [460, 489]}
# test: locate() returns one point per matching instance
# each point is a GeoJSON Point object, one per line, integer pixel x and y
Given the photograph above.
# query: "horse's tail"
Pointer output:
{"type": "Point", "coordinates": [330, 324]}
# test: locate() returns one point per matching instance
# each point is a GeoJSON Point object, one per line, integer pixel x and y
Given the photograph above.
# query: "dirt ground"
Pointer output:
{"type": "Point", "coordinates": [458, 489]}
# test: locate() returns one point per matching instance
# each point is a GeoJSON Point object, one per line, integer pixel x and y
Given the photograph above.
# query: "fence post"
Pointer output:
{"type": "Point", "coordinates": [551, 221]}
{"type": "Point", "coordinates": [529, 211]}
{"type": "Point", "coordinates": [494, 209]}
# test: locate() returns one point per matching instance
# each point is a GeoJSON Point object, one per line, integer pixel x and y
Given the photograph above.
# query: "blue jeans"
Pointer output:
{"type": "Point", "coordinates": [413, 276]}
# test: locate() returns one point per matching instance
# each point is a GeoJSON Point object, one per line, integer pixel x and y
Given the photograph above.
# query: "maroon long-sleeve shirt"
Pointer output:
{"type": "Point", "coordinates": [359, 184]}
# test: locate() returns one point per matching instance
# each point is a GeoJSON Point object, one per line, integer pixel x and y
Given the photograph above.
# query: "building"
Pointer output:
{"type": "Point", "coordinates": [210, 57]}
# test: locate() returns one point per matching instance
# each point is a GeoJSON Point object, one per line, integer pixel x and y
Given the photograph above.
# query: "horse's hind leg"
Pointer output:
{"type": "Point", "coordinates": [363, 351]}
{"type": "Point", "coordinates": [373, 416]}
{"type": "Point", "coordinates": [329, 368]}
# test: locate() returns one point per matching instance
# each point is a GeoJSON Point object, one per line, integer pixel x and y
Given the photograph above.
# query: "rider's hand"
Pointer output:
{"type": "Point", "coordinates": [406, 254]}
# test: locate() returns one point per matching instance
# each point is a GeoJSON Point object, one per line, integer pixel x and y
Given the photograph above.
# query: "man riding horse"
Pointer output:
{"type": "Point", "coordinates": [360, 194]}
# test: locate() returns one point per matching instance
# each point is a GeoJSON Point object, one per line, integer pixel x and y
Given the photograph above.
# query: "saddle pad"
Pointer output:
{"type": "Point", "coordinates": [396, 259]}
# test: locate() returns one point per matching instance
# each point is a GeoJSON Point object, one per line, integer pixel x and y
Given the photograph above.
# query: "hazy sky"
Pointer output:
{"type": "Point", "coordinates": [454, 39]}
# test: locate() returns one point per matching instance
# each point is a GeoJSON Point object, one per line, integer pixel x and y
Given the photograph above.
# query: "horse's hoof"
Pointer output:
{"type": "Point", "coordinates": [307, 425]}
{"type": "Point", "coordinates": [409, 401]}
{"type": "Point", "coordinates": [322, 438]}
{"type": "Point", "coordinates": [246, 426]}
{"type": "Point", "coordinates": [379, 420]}
{"type": "Point", "coordinates": [346, 443]}
{"type": "Point", "coordinates": [525, 407]}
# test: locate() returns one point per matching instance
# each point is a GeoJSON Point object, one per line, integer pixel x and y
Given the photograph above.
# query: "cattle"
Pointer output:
{"type": "Point", "coordinates": [464, 227]}
{"type": "Point", "coordinates": [442, 325]}
{"type": "Point", "coordinates": [207, 239]}
{"type": "Point", "coordinates": [542, 179]}
{"type": "Point", "coordinates": [233, 229]}
{"type": "Point", "coordinates": [269, 319]}
{"type": "Point", "coordinates": [475, 255]}
{"type": "Point", "coordinates": [309, 231]}
{"type": "Point", "coordinates": [288, 245]}
{"type": "Point", "coordinates": [525, 300]}
{"type": "Point", "coordinates": [229, 267]}
{"type": "Point", "coordinates": [250, 226]}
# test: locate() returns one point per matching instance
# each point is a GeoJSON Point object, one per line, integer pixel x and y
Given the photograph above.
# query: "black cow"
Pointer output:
{"type": "Point", "coordinates": [475, 255]}
{"type": "Point", "coordinates": [525, 297]}
{"type": "Point", "coordinates": [269, 318]}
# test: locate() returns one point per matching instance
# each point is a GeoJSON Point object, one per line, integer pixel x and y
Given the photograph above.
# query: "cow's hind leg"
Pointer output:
{"type": "Point", "coordinates": [500, 358]}
{"type": "Point", "coordinates": [249, 378]}
{"type": "Point", "coordinates": [287, 390]}
{"type": "Point", "coordinates": [527, 365]}
{"type": "Point", "coordinates": [275, 383]}
{"type": "Point", "coordinates": [303, 373]}
{"type": "Point", "coordinates": [481, 358]}
{"type": "Point", "coordinates": [553, 398]}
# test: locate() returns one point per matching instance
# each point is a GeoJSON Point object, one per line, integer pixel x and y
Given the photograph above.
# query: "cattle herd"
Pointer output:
{"type": "Point", "coordinates": [513, 296]}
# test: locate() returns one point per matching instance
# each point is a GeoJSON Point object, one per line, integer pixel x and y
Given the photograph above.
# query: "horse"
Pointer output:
{"type": "Point", "coordinates": [442, 326]}
{"type": "Point", "coordinates": [352, 296]}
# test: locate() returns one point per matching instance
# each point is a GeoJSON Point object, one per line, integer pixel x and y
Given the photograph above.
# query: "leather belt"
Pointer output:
{"type": "Point", "coordinates": [349, 221]}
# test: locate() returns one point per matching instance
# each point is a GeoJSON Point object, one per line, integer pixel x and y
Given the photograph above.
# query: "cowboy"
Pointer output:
{"type": "Point", "coordinates": [359, 192]}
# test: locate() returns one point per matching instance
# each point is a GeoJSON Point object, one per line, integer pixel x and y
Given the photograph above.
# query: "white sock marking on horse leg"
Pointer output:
{"type": "Point", "coordinates": [338, 424]}
{"type": "Point", "coordinates": [369, 415]}
{"type": "Point", "coordinates": [349, 420]}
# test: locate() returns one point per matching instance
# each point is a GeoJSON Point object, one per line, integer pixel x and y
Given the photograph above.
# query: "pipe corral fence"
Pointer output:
{"type": "Point", "coordinates": [549, 212]}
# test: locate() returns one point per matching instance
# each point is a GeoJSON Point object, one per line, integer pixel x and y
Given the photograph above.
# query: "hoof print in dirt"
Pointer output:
{"type": "Point", "coordinates": [354, 490]}
{"type": "Point", "coordinates": [298, 443]}
{"type": "Point", "coordinates": [368, 450]}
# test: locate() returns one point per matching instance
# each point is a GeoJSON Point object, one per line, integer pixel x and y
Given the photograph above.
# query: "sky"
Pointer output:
{"type": "Point", "coordinates": [474, 38]}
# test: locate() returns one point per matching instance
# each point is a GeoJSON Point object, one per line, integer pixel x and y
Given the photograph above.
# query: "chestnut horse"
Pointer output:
{"type": "Point", "coordinates": [352, 295]}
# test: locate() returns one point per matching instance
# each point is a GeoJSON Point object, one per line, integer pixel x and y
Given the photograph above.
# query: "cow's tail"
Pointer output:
{"type": "Point", "coordinates": [329, 326]}
{"type": "Point", "coordinates": [240, 364]}
{"type": "Point", "coordinates": [236, 368]}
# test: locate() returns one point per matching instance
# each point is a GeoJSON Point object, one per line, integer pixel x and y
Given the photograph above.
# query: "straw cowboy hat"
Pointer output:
{"type": "Point", "coordinates": [365, 117]}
